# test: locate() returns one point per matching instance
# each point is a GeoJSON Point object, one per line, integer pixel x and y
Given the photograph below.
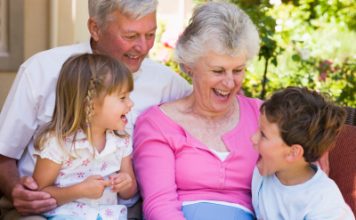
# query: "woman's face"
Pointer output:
{"type": "Point", "coordinates": [216, 80]}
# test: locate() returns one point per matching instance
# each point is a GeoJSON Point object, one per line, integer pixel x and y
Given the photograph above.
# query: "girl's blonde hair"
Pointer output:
{"type": "Point", "coordinates": [82, 79]}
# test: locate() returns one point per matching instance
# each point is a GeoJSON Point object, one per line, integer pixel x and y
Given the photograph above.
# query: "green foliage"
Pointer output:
{"type": "Point", "coordinates": [313, 49]}
{"type": "Point", "coordinates": [303, 43]}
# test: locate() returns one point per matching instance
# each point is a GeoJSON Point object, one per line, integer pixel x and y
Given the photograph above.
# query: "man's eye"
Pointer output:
{"type": "Point", "coordinates": [130, 37]}
{"type": "Point", "coordinates": [151, 35]}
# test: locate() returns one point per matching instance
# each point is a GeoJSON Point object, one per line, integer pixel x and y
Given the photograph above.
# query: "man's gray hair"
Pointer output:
{"type": "Point", "coordinates": [219, 27]}
{"type": "Point", "coordinates": [134, 9]}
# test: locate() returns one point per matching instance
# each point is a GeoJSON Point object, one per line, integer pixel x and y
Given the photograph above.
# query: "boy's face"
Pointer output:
{"type": "Point", "coordinates": [272, 149]}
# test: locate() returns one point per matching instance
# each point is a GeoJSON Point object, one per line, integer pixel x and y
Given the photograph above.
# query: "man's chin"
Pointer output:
{"type": "Point", "coordinates": [134, 68]}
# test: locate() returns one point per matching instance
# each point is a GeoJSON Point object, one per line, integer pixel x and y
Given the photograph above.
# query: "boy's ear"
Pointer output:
{"type": "Point", "coordinates": [296, 152]}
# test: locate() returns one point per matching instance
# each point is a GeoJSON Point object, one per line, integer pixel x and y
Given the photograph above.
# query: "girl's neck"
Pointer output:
{"type": "Point", "coordinates": [296, 175]}
{"type": "Point", "coordinates": [98, 138]}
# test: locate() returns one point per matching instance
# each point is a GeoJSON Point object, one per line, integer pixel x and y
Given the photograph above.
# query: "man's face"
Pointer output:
{"type": "Point", "coordinates": [126, 39]}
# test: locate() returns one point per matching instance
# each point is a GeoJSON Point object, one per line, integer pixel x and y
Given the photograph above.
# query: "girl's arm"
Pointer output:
{"type": "Point", "coordinates": [124, 182]}
{"type": "Point", "coordinates": [45, 174]}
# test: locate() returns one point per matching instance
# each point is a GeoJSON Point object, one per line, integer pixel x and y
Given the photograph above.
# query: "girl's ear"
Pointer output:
{"type": "Point", "coordinates": [93, 29]}
{"type": "Point", "coordinates": [296, 152]}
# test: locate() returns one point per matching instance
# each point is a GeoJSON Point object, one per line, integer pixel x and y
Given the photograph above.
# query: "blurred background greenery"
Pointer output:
{"type": "Point", "coordinates": [303, 43]}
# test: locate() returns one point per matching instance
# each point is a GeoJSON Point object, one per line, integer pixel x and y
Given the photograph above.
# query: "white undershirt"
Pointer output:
{"type": "Point", "coordinates": [222, 155]}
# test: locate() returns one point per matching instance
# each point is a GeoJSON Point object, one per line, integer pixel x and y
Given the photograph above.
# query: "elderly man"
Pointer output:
{"type": "Point", "coordinates": [123, 29]}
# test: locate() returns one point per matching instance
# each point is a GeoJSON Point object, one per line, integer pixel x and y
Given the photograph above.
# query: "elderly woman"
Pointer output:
{"type": "Point", "coordinates": [193, 157]}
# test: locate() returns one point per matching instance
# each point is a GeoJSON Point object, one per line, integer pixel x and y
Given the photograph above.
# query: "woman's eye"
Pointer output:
{"type": "Point", "coordinates": [218, 71]}
{"type": "Point", "coordinates": [238, 71]}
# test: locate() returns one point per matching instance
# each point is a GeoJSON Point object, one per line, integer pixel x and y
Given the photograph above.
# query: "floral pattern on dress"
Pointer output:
{"type": "Point", "coordinates": [84, 164]}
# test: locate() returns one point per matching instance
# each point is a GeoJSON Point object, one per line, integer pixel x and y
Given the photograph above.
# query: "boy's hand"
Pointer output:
{"type": "Point", "coordinates": [120, 182]}
{"type": "Point", "coordinates": [94, 186]}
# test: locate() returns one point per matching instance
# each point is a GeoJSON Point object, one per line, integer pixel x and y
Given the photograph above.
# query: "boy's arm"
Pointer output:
{"type": "Point", "coordinates": [46, 172]}
{"type": "Point", "coordinates": [124, 182]}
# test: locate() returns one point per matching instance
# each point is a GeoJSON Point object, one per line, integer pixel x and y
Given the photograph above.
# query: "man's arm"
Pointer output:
{"type": "Point", "coordinates": [22, 191]}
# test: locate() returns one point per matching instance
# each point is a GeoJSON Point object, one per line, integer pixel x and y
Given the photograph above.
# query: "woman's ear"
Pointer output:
{"type": "Point", "coordinates": [296, 152]}
{"type": "Point", "coordinates": [93, 29]}
{"type": "Point", "coordinates": [187, 69]}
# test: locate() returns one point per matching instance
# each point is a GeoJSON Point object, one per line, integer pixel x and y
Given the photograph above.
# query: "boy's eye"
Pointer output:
{"type": "Point", "coordinates": [263, 134]}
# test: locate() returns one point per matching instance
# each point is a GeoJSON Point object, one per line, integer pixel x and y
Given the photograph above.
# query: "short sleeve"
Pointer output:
{"type": "Point", "coordinates": [128, 146]}
{"type": "Point", "coordinates": [53, 151]}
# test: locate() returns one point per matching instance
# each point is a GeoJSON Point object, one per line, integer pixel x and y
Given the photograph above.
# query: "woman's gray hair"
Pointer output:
{"type": "Point", "coordinates": [219, 27]}
{"type": "Point", "coordinates": [101, 10]}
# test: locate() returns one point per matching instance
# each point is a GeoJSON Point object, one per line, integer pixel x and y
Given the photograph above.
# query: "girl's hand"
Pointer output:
{"type": "Point", "coordinates": [121, 182]}
{"type": "Point", "coordinates": [94, 186]}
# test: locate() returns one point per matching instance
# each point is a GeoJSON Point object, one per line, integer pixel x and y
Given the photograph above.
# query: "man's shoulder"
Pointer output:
{"type": "Point", "coordinates": [58, 54]}
{"type": "Point", "coordinates": [153, 67]}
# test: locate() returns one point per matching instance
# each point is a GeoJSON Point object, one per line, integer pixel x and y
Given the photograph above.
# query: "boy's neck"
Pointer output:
{"type": "Point", "coordinates": [295, 175]}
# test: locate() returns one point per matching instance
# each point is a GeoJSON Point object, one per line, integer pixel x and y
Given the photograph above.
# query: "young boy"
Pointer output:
{"type": "Point", "coordinates": [296, 127]}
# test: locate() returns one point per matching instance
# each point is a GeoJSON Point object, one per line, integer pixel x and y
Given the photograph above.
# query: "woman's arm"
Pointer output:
{"type": "Point", "coordinates": [154, 163]}
{"type": "Point", "coordinates": [45, 174]}
{"type": "Point", "coordinates": [124, 182]}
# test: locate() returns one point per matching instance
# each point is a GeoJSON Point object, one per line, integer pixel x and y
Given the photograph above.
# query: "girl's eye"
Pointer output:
{"type": "Point", "coordinates": [123, 97]}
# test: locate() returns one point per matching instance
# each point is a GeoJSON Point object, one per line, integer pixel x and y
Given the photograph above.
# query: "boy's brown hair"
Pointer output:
{"type": "Point", "coordinates": [305, 117]}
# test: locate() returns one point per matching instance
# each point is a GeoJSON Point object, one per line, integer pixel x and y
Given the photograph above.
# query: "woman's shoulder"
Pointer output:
{"type": "Point", "coordinates": [165, 114]}
{"type": "Point", "coordinates": [249, 100]}
{"type": "Point", "coordinates": [245, 101]}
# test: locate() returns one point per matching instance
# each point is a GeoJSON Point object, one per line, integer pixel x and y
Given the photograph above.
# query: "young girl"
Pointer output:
{"type": "Point", "coordinates": [83, 153]}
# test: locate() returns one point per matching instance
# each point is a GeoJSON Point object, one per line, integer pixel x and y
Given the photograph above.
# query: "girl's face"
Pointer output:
{"type": "Point", "coordinates": [271, 147]}
{"type": "Point", "coordinates": [110, 111]}
{"type": "Point", "coordinates": [216, 80]}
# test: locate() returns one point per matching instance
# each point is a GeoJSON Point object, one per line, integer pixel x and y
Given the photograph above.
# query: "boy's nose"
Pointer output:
{"type": "Point", "coordinates": [255, 137]}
